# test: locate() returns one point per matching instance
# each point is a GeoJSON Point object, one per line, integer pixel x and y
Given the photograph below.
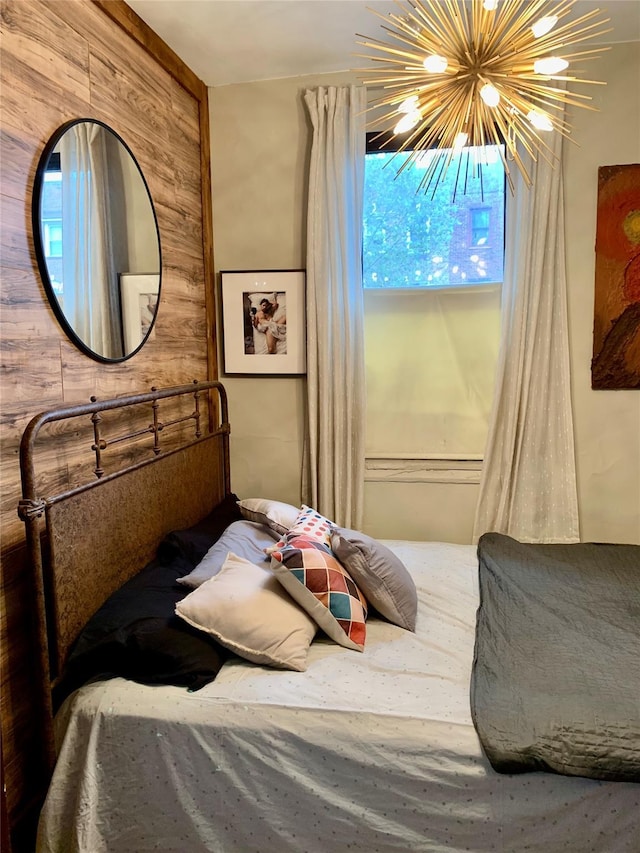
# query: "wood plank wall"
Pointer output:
{"type": "Point", "coordinates": [81, 59]}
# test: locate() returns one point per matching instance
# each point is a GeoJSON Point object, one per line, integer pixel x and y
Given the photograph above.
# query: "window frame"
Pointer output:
{"type": "Point", "coordinates": [472, 229]}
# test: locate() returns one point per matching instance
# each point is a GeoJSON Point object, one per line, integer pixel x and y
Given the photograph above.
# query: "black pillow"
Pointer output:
{"type": "Point", "coordinates": [194, 542]}
{"type": "Point", "coordinates": [136, 635]}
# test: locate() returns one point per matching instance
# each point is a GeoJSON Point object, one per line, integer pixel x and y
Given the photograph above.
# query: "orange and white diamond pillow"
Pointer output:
{"type": "Point", "coordinates": [312, 575]}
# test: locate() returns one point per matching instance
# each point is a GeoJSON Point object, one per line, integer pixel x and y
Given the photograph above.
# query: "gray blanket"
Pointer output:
{"type": "Point", "coordinates": [556, 674]}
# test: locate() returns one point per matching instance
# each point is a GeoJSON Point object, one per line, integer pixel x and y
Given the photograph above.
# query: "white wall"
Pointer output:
{"type": "Point", "coordinates": [259, 147]}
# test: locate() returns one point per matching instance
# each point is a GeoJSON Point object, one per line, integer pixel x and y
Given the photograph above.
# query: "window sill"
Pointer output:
{"type": "Point", "coordinates": [480, 287]}
{"type": "Point", "coordinates": [442, 468]}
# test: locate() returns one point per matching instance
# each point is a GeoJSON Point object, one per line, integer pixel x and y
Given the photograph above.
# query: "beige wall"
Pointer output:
{"type": "Point", "coordinates": [260, 148]}
{"type": "Point", "coordinates": [607, 423]}
{"type": "Point", "coordinates": [260, 141]}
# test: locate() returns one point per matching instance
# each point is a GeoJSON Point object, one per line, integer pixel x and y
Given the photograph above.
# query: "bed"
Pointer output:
{"type": "Point", "coordinates": [296, 739]}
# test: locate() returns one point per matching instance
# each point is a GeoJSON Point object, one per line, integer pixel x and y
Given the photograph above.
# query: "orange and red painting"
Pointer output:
{"type": "Point", "coordinates": [616, 329]}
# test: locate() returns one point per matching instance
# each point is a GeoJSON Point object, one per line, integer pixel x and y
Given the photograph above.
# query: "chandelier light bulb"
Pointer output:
{"type": "Point", "coordinates": [490, 95]}
{"type": "Point", "coordinates": [474, 74]}
{"type": "Point", "coordinates": [436, 64]}
{"type": "Point", "coordinates": [407, 121]}
{"type": "Point", "coordinates": [460, 141]}
{"type": "Point", "coordinates": [540, 121]}
{"type": "Point", "coordinates": [409, 105]}
{"type": "Point", "coordinates": [550, 65]}
{"type": "Point", "coordinates": [544, 25]}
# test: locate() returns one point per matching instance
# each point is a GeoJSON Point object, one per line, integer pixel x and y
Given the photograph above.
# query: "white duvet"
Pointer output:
{"type": "Point", "coordinates": [369, 752]}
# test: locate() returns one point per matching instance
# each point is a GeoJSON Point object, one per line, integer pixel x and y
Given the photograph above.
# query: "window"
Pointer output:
{"type": "Point", "coordinates": [432, 270]}
{"type": "Point", "coordinates": [53, 238]}
{"type": "Point", "coordinates": [51, 218]}
{"type": "Point", "coordinates": [450, 237]}
{"type": "Point", "coordinates": [480, 218]}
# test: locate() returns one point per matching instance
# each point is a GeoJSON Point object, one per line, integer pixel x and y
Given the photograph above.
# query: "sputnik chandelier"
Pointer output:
{"type": "Point", "coordinates": [462, 75]}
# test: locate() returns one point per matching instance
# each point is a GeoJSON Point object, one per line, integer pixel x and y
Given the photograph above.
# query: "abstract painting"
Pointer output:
{"type": "Point", "coordinates": [616, 329]}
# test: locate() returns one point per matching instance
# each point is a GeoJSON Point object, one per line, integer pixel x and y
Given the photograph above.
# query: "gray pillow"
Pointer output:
{"type": "Point", "coordinates": [381, 576]}
{"type": "Point", "coordinates": [245, 538]}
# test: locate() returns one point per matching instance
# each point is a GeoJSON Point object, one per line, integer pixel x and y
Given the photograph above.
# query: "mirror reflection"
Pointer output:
{"type": "Point", "coordinates": [97, 240]}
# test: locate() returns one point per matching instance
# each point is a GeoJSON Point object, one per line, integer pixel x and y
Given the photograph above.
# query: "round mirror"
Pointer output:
{"type": "Point", "coordinates": [97, 241]}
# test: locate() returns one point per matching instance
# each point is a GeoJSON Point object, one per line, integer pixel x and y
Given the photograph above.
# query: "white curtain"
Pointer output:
{"type": "Point", "coordinates": [90, 280]}
{"type": "Point", "coordinates": [333, 468]}
{"type": "Point", "coordinates": [528, 486]}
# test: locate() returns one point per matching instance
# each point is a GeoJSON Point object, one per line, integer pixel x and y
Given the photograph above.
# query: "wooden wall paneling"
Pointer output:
{"type": "Point", "coordinates": [207, 234]}
{"type": "Point", "coordinates": [136, 102]}
{"type": "Point", "coordinates": [160, 363]}
{"type": "Point", "coordinates": [16, 234]}
{"type": "Point", "coordinates": [13, 419]}
{"type": "Point", "coordinates": [136, 27]}
{"type": "Point", "coordinates": [23, 308]}
{"type": "Point", "coordinates": [35, 37]}
{"type": "Point", "coordinates": [29, 363]}
{"type": "Point", "coordinates": [19, 83]}
{"type": "Point", "coordinates": [5, 837]}
{"type": "Point", "coordinates": [18, 686]}
{"type": "Point", "coordinates": [60, 61]}
{"type": "Point", "coordinates": [172, 360]}
{"type": "Point", "coordinates": [125, 17]}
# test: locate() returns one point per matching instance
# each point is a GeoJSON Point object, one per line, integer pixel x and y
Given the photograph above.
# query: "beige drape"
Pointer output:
{"type": "Point", "coordinates": [528, 486]}
{"type": "Point", "coordinates": [91, 295]}
{"type": "Point", "coordinates": [333, 469]}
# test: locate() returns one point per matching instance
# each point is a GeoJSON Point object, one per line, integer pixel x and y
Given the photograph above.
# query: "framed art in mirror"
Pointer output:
{"type": "Point", "coordinates": [139, 299]}
{"type": "Point", "coordinates": [264, 321]}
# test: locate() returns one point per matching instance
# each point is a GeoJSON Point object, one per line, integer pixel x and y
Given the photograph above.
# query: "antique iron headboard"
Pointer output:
{"type": "Point", "coordinates": [85, 540]}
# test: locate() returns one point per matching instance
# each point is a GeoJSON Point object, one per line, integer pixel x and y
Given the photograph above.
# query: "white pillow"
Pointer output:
{"type": "Point", "coordinates": [248, 611]}
{"type": "Point", "coordinates": [277, 515]}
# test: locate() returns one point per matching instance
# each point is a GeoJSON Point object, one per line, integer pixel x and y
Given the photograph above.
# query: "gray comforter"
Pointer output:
{"type": "Point", "coordinates": [556, 674]}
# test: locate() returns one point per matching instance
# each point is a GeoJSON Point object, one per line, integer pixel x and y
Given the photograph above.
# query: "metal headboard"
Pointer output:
{"type": "Point", "coordinates": [86, 540]}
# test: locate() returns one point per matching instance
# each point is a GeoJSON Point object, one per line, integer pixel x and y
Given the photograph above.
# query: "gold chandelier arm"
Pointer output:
{"type": "Point", "coordinates": [488, 93]}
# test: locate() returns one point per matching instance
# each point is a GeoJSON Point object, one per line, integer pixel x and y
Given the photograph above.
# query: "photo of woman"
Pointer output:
{"type": "Point", "coordinates": [265, 323]}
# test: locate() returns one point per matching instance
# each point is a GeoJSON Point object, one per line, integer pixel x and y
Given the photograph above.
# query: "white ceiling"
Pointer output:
{"type": "Point", "coordinates": [240, 41]}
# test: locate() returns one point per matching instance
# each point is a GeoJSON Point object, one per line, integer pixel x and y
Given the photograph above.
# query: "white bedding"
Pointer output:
{"type": "Point", "coordinates": [370, 751]}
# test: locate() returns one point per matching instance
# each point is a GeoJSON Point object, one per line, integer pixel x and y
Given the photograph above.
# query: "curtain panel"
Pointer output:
{"type": "Point", "coordinates": [528, 486]}
{"type": "Point", "coordinates": [90, 273]}
{"type": "Point", "coordinates": [334, 457]}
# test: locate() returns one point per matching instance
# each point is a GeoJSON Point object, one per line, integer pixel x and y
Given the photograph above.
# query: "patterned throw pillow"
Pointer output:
{"type": "Point", "coordinates": [314, 578]}
{"type": "Point", "coordinates": [311, 524]}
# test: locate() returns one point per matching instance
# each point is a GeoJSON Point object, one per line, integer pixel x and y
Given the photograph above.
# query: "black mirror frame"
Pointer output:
{"type": "Point", "coordinates": [39, 247]}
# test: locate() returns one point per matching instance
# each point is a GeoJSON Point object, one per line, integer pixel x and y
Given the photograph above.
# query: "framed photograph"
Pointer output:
{"type": "Point", "coordinates": [139, 294]}
{"type": "Point", "coordinates": [263, 318]}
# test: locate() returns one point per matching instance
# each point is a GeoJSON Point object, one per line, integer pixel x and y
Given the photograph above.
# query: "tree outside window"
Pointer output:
{"type": "Point", "coordinates": [422, 239]}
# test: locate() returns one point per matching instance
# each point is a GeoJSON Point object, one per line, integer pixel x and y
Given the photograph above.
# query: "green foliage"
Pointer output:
{"type": "Point", "coordinates": [422, 237]}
